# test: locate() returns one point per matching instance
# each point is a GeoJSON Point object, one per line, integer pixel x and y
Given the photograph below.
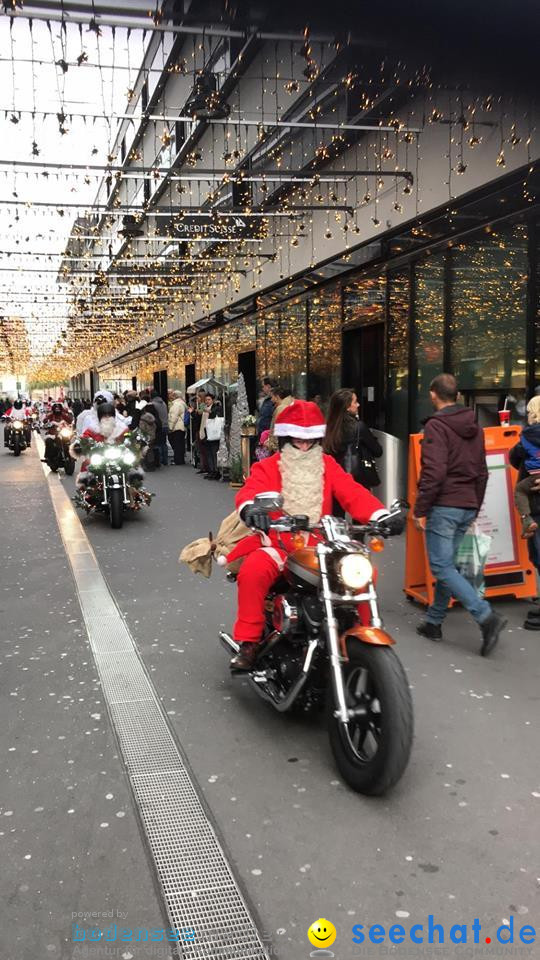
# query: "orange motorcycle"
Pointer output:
{"type": "Point", "coordinates": [315, 649]}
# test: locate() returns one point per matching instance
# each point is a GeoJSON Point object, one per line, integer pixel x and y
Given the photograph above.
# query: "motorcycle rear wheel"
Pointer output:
{"type": "Point", "coordinates": [372, 751]}
{"type": "Point", "coordinates": [116, 509]}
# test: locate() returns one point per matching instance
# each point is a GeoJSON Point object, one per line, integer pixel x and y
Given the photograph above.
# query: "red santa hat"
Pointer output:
{"type": "Point", "coordinates": [301, 419]}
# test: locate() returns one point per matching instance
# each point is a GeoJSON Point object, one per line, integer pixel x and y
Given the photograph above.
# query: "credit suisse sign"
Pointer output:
{"type": "Point", "coordinates": [234, 226]}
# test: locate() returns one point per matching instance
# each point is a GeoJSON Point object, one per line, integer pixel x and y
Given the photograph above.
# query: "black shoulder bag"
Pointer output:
{"type": "Point", "coordinates": [360, 463]}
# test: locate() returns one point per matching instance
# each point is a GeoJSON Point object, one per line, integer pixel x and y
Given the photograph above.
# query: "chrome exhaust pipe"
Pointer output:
{"type": "Point", "coordinates": [230, 645]}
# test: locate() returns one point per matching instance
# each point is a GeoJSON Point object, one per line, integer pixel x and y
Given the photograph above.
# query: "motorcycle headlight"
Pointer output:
{"type": "Point", "coordinates": [113, 453]}
{"type": "Point", "coordinates": [17, 424]}
{"type": "Point", "coordinates": [96, 460]}
{"type": "Point", "coordinates": [65, 432]}
{"type": "Point", "coordinates": [129, 457]}
{"type": "Point", "coordinates": [355, 571]}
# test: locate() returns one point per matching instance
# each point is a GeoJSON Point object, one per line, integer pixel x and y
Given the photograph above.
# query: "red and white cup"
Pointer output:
{"type": "Point", "coordinates": [504, 417]}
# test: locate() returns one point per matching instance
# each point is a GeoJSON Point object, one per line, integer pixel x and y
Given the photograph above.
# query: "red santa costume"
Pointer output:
{"type": "Point", "coordinates": [308, 481]}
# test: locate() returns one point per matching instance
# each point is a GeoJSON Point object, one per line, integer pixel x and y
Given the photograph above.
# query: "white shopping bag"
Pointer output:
{"type": "Point", "coordinates": [472, 555]}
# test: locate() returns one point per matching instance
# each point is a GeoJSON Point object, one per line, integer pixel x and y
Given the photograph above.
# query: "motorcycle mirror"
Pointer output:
{"type": "Point", "coordinates": [269, 501]}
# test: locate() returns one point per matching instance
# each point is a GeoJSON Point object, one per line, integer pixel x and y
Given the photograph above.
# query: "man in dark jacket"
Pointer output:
{"type": "Point", "coordinates": [451, 489]}
{"type": "Point", "coordinates": [162, 411]}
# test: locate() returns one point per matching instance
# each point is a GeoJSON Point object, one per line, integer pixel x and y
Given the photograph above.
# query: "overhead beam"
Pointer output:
{"type": "Point", "coordinates": [136, 23]}
{"type": "Point", "coordinates": [225, 121]}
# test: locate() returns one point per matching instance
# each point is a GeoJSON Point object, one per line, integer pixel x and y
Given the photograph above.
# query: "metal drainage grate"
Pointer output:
{"type": "Point", "coordinates": [199, 889]}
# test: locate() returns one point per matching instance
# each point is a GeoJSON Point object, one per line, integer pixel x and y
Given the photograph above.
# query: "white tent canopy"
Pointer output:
{"type": "Point", "coordinates": [206, 384]}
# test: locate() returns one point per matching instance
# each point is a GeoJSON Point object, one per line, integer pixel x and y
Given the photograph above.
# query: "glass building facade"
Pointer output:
{"type": "Point", "coordinates": [468, 306]}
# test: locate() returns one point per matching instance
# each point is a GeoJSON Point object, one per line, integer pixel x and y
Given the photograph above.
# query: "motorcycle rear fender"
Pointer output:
{"type": "Point", "coordinates": [372, 635]}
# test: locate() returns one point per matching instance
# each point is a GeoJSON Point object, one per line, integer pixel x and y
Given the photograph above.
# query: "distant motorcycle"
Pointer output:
{"type": "Point", "coordinates": [112, 481]}
{"type": "Point", "coordinates": [57, 445]}
{"type": "Point", "coordinates": [16, 436]}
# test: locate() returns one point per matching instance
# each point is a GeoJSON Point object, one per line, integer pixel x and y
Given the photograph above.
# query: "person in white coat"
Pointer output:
{"type": "Point", "coordinates": [177, 428]}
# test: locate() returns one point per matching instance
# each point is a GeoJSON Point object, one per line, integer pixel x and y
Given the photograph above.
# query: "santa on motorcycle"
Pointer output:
{"type": "Point", "coordinates": [105, 429]}
{"type": "Point", "coordinates": [57, 417]}
{"type": "Point", "coordinates": [308, 480]}
{"type": "Point", "coordinates": [18, 410]}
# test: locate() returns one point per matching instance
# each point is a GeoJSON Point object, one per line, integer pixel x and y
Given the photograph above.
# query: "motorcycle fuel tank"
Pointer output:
{"type": "Point", "coordinates": [302, 569]}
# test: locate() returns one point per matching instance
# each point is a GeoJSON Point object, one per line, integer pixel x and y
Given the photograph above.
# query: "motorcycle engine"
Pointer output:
{"type": "Point", "coordinates": [284, 615]}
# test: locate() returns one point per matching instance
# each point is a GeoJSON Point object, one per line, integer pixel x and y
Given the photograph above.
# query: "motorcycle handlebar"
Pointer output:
{"type": "Point", "coordinates": [375, 527]}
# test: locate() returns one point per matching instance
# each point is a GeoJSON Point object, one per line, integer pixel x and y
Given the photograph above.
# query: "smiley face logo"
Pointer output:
{"type": "Point", "coordinates": [322, 933]}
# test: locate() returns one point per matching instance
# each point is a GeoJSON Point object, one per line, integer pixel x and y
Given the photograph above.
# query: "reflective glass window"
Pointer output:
{"type": "Point", "coordinates": [398, 355]}
{"type": "Point", "coordinates": [488, 310]}
{"type": "Point", "coordinates": [428, 332]}
{"type": "Point", "coordinates": [364, 301]}
{"type": "Point", "coordinates": [324, 343]}
{"type": "Point", "coordinates": [293, 359]}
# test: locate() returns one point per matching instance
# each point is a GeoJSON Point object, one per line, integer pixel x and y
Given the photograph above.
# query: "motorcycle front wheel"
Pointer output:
{"type": "Point", "coordinates": [69, 465]}
{"type": "Point", "coordinates": [116, 509]}
{"type": "Point", "coordinates": [373, 749]}
{"type": "Point", "coordinates": [16, 447]}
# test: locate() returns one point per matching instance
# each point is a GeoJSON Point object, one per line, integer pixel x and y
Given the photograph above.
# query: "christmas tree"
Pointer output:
{"type": "Point", "coordinates": [223, 451]}
{"type": "Point", "coordinates": [239, 413]}
{"type": "Point", "coordinates": [235, 450]}
{"type": "Point", "coordinates": [241, 399]}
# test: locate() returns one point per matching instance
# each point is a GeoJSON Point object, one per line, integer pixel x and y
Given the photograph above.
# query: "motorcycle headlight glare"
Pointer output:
{"type": "Point", "coordinates": [113, 454]}
{"type": "Point", "coordinates": [96, 460]}
{"type": "Point", "coordinates": [129, 457]}
{"type": "Point", "coordinates": [17, 424]}
{"type": "Point", "coordinates": [65, 432]}
{"type": "Point", "coordinates": [355, 571]}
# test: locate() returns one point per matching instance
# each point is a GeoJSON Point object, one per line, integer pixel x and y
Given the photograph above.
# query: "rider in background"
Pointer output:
{"type": "Point", "coordinates": [56, 417]}
{"type": "Point", "coordinates": [18, 411]}
{"type": "Point", "coordinates": [107, 430]}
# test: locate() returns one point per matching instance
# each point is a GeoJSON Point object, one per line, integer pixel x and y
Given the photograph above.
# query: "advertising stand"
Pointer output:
{"type": "Point", "coordinates": [508, 570]}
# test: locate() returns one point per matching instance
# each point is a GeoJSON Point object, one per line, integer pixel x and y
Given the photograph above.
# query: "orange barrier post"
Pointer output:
{"type": "Point", "coordinates": [508, 570]}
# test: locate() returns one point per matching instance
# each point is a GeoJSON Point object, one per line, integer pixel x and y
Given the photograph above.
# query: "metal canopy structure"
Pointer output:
{"type": "Point", "coordinates": [123, 124]}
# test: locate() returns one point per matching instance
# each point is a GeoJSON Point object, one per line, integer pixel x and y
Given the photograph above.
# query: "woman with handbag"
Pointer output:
{"type": "Point", "coordinates": [210, 433]}
{"type": "Point", "coordinates": [350, 441]}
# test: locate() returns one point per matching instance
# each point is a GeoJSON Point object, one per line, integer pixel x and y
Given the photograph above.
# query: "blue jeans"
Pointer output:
{"type": "Point", "coordinates": [445, 529]}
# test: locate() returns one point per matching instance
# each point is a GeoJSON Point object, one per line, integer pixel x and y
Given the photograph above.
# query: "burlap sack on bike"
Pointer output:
{"type": "Point", "coordinates": [231, 531]}
{"type": "Point", "coordinates": [198, 554]}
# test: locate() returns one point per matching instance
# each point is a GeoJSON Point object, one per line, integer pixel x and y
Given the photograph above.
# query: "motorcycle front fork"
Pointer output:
{"type": "Point", "coordinates": [338, 686]}
{"type": "Point", "coordinates": [333, 643]}
{"type": "Point", "coordinates": [105, 500]}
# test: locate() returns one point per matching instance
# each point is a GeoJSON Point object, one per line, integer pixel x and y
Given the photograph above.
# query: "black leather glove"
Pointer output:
{"type": "Point", "coordinates": [392, 526]}
{"type": "Point", "coordinates": [256, 518]}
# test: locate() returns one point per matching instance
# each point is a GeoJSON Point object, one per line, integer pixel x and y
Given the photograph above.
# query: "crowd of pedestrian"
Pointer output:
{"type": "Point", "coordinates": [451, 486]}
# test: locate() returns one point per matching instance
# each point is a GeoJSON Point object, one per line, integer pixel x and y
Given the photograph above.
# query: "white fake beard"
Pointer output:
{"type": "Point", "coordinates": [106, 426]}
{"type": "Point", "coordinates": [302, 481]}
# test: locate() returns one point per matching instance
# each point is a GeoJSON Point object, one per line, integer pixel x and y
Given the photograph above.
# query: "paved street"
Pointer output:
{"type": "Point", "coordinates": [458, 838]}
